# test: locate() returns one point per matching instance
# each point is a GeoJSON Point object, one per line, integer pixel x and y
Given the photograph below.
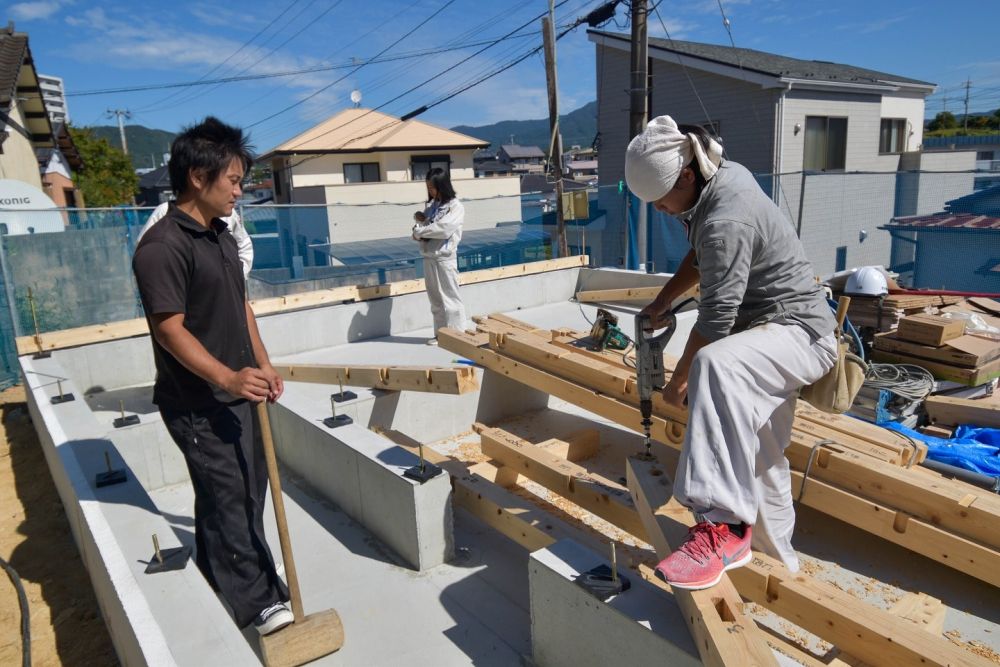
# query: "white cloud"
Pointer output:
{"type": "Point", "coordinates": [872, 26]}
{"type": "Point", "coordinates": [32, 11]}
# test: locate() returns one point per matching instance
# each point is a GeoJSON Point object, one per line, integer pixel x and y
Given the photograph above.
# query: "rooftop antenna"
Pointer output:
{"type": "Point", "coordinates": [356, 97]}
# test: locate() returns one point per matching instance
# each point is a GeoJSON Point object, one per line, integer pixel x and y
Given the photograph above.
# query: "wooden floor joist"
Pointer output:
{"type": "Point", "coordinates": [640, 294]}
{"type": "Point", "coordinates": [435, 379]}
{"type": "Point", "coordinates": [936, 500]}
{"type": "Point", "coordinates": [723, 634]}
{"type": "Point", "coordinates": [873, 635]}
{"type": "Point", "coordinates": [864, 470]}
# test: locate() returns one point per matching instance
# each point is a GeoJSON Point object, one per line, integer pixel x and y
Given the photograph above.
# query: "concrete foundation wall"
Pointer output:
{"type": "Point", "coordinates": [571, 627]}
{"type": "Point", "coordinates": [362, 473]}
{"type": "Point", "coordinates": [111, 527]}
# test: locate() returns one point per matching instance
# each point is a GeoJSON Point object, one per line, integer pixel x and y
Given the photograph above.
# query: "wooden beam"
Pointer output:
{"type": "Point", "coordinates": [723, 634]}
{"type": "Point", "coordinates": [435, 379]}
{"type": "Point", "coordinates": [602, 498]}
{"type": "Point", "coordinates": [99, 333]}
{"type": "Point", "coordinates": [957, 411]}
{"type": "Point", "coordinates": [960, 508]}
{"type": "Point", "coordinates": [876, 636]}
{"type": "Point", "coordinates": [926, 611]}
{"type": "Point", "coordinates": [642, 294]}
{"type": "Point", "coordinates": [934, 503]}
{"type": "Point", "coordinates": [576, 446]}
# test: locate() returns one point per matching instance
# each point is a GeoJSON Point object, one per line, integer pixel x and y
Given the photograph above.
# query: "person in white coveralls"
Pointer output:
{"type": "Point", "coordinates": [438, 229]}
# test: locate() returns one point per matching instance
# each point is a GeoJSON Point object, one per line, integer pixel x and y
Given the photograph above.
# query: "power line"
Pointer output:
{"type": "Point", "coordinates": [328, 86]}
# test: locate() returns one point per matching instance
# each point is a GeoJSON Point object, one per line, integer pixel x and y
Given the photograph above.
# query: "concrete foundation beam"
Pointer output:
{"type": "Point", "coordinates": [362, 473]}
{"type": "Point", "coordinates": [570, 627]}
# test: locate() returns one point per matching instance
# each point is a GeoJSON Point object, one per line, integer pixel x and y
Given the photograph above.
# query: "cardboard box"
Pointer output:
{"type": "Point", "coordinates": [931, 330]}
{"type": "Point", "coordinates": [970, 377]}
{"type": "Point", "coordinates": [967, 351]}
{"type": "Point", "coordinates": [944, 410]}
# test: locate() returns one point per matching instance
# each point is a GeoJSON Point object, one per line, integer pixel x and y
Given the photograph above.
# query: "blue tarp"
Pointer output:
{"type": "Point", "coordinates": [970, 448]}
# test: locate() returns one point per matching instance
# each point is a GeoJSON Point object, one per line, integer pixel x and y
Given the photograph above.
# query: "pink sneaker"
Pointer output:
{"type": "Point", "coordinates": [709, 550]}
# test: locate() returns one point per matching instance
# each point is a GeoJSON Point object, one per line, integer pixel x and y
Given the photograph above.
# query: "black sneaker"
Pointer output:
{"type": "Point", "coordinates": [273, 618]}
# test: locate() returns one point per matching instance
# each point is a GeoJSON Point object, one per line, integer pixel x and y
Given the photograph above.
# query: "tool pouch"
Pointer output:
{"type": "Point", "coordinates": [835, 391]}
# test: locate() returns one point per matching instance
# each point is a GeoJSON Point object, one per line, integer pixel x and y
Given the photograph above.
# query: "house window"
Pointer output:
{"type": "Point", "coordinates": [892, 135]}
{"type": "Point", "coordinates": [984, 155]}
{"type": "Point", "coordinates": [361, 172]}
{"type": "Point", "coordinates": [841, 261]}
{"type": "Point", "coordinates": [825, 144]}
{"type": "Point", "coordinates": [420, 165]}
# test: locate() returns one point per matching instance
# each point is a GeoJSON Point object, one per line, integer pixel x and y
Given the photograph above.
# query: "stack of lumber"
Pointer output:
{"type": "Point", "coordinates": [942, 347]}
{"type": "Point", "coordinates": [856, 472]}
{"type": "Point", "coordinates": [884, 313]}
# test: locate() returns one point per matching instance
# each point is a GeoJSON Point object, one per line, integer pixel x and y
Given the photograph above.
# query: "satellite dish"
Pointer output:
{"type": "Point", "coordinates": [356, 97]}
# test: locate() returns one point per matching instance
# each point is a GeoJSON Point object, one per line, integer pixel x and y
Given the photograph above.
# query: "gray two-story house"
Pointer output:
{"type": "Point", "coordinates": [779, 117]}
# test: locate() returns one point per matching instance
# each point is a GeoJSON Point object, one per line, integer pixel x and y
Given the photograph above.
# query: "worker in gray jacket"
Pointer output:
{"type": "Point", "coordinates": [438, 228]}
{"type": "Point", "coordinates": [764, 330]}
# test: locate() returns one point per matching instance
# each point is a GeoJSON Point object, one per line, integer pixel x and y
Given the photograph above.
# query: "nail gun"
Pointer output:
{"type": "Point", "coordinates": [649, 371]}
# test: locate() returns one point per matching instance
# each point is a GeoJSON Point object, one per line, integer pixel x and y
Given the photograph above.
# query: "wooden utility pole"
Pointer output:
{"type": "Point", "coordinates": [555, 142]}
{"type": "Point", "coordinates": [968, 84]}
{"type": "Point", "coordinates": [639, 99]}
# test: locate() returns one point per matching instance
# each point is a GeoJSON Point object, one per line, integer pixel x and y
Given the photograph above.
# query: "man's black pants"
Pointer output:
{"type": "Point", "coordinates": [225, 458]}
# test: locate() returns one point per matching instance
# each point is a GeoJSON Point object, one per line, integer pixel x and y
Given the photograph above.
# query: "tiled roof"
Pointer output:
{"type": "Point", "coordinates": [772, 63]}
{"type": "Point", "coordinates": [514, 151]}
{"type": "Point", "coordinates": [983, 202]}
{"type": "Point", "coordinates": [365, 130]}
{"type": "Point", "coordinates": [13, 48]}
{"type": "Point", "coordinates": [946, 222]}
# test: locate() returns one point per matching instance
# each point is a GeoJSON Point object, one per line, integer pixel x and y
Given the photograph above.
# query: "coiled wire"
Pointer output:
{"type": "Point", "coordinates": [905, 380]}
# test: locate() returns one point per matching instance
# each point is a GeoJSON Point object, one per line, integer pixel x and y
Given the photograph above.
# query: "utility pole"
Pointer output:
{"type": "Point", "coordinates": [968, 84]}
{"type": "Point", "coordinates": [555, 142]}
{"type": "Point", "coordinates": [121, 114]}
{"type": "Point", "coordinates": [639, 99]}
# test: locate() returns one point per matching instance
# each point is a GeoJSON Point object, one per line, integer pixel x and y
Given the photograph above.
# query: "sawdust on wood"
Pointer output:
{"type": "Point", "coordinates": [975, 646]}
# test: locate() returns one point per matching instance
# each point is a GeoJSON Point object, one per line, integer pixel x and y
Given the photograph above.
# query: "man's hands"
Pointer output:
{"type": "Point", "coordinates": [659, 315]}
{"type": "Point", "coordinates": [675, 393]}
{"type": "Point", "coordinates": [256, 384]}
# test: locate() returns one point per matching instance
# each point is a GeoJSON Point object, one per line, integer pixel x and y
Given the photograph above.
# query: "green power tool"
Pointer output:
{"type": "Point", "coordinates": [606, 334]}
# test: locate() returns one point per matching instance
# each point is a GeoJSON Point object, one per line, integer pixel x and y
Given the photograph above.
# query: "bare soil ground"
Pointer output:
{"type": "Point", "coordinates": [66, 624]}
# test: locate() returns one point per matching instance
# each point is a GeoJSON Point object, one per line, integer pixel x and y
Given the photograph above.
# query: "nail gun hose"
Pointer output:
{"type": "Point", "coordinates": [22, 600]}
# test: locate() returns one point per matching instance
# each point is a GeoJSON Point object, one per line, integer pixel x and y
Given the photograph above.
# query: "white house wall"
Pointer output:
{"type": "Point", "coordinates": [911, 107]}
{"type": "Point", "coordinates": [394, 166]}
{"type": "Point", "coordinates": [487, 202]}
{"type": "Point", "coordinates": [18, 161]}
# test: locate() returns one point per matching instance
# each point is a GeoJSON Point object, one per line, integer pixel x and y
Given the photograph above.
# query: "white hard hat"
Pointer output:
{"type": "Point", "coordinates": [866, 281]}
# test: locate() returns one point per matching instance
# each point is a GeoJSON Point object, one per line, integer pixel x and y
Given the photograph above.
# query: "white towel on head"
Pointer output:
{"type": "Point", "coordinates": [654, 159]}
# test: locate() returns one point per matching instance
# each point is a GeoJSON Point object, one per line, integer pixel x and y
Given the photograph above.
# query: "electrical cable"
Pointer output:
{"type": "Point", "coordinates": [905, 380]}
{"type": "Point", "coordinates": [22, 601]}
{"type": "Point", "coordinates": [330, 85]}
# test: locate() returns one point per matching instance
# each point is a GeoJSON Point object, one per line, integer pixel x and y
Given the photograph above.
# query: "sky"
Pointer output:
{"type": "Point", "coordinates": [438, 47]}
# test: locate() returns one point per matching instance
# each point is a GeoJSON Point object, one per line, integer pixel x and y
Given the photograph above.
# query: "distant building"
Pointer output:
{"type": "Point", "coordinates": [367, 169]}
{"type": "Point", "coordinates": [57, 165]}
{"type": "Point", "coordinates": [777, 115]}
{"type": "Point", "coordinates": [522, 159]}
{"type": "Point", "coordinates": [987, 148]}
{"type": "Point", "coordinates": [24, 124]}
{"type": "Point", "coordinates": [957, 249]}
{"type": "Point", "coordinates": [154, 187]}
{"type": "Point", "coordinates": [580, 170]}
{"type": "Point", "coordinates": [491, 168]}
{"type": "Point", "coordinates": [55, 98]}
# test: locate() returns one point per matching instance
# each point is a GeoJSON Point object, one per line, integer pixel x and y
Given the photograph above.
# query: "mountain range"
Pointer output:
{"type": "Point", "coordinates": [578, 128]}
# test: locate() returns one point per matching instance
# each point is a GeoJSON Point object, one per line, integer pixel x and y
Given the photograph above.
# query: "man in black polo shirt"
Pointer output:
{"type": "Point", "coordinates": [211, 366]}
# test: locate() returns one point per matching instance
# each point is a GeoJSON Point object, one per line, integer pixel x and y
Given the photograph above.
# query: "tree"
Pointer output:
{"type": "Point", "coordinates": [943, 121]}
{"type": "Point", "coordinates": [107, 177]}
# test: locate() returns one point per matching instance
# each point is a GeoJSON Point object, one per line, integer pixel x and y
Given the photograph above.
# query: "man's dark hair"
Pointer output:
{"type": "Point", "coordinates": [208, 147]}
{"type": "Point", "coordinates": [441, 181]}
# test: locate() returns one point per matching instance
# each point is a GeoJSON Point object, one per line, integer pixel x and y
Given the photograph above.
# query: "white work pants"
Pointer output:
{"type": "Point", "coordinates": [741, 396]}
{"type": "Point", "coordinates": [441, 278]}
